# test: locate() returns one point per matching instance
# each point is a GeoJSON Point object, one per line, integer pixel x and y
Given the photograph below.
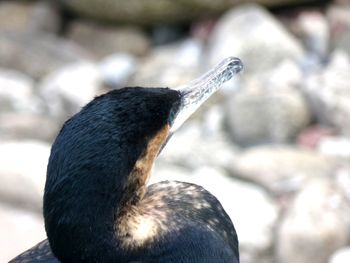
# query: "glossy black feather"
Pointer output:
{"type": "Point", "coordinates": [88, 183]}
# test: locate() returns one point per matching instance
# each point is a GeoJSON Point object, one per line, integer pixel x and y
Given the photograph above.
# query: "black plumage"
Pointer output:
{"type": "Point", "coordinates": [97, 207]}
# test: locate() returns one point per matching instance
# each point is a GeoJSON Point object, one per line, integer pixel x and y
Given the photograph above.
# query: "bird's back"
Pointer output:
{"type": "Point", "coordinates": [192, 225]}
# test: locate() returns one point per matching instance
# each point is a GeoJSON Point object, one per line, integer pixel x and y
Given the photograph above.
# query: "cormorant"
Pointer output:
{"type": "Point", "coordinates": [97, 207]}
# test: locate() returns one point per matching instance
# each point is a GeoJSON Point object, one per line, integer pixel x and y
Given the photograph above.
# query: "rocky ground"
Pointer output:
{"type": "Point", "coordinates": [273, 145]}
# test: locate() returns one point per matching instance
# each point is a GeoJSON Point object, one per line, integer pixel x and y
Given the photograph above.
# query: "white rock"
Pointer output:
{"type": "Point", "coordinates": [252, 34]}
{"type": "Point", "coordinates": [335, 146]}
{"type": "Point", "coordinates": [20, 230]}
{"type": "Point", "coordinates": [116, 69]}
{"type": "Point", "coordinates": [341, 256]}
{"type": "Point", "coordinates": [269, 108]}
{"type": "Point", "coordinates": [23, 172]}
{"type": "Point", "coordinates": [17, 92]}
{"type": "Point", "coordinates": [66, 90]}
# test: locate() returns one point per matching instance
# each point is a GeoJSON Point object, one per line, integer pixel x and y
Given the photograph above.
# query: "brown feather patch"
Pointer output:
{"type": "Point", "coordinates": [133, 226]}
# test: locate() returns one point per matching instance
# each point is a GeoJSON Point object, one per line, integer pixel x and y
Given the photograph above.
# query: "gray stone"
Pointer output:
{"type": "Point", "coordinates": [313, 29]}
{"type": "Point", "coordinates": [15, 15]}
{"type": "Point", "coordinates": [328, 93]}
{"type": "Point", "coordinates": [23, 172]}
{"type": "Point", "coordinates": [339, 19]}
{"type": "Point", "coordinates": [341, 256]}
{"type": "Point", "coordinates": [20, 230]}
{"type": "Point", "coordinates": [282, 169]}
{"type": "Point", "coordinates": [102, 40]}
{"type": "Point", "coordinates": [154, 11]}
{"type": "Point", "coordinates": [37, 54]}
{"type": "Point", "coordinates": [269, 109]}
{"type": "Point", "coordinates": [66, 90]}
{"type": "Point", "coordinates": [243, 202]}
{"type": "Point", "coordinates": [252, 34]}
{"type": "Point", "coordinates": [316, 224]}
{"type": "Point", "coordinates": [46, 17]}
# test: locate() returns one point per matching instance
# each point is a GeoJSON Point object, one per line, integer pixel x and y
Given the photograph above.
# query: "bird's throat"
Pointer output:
{"type": "Point", "coordinates": [132, 225]}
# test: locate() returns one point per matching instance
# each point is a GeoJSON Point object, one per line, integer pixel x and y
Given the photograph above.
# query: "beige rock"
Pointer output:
{"type": "Point", "coordinates": [282, 169]}
{"type": "Point", "coordinates": [20, 230]}
{"type": "Point", "coordinates": [102, 40]}
{"type": "Point", "coordinates": [316, 224]}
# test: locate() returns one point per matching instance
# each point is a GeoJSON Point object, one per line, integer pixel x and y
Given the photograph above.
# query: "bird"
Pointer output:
{"type": "Point", "coordinates": [97, 205]}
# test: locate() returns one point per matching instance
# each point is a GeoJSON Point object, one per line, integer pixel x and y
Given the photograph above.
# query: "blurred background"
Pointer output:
{"type": "Point", "coordinates": [273, 145]}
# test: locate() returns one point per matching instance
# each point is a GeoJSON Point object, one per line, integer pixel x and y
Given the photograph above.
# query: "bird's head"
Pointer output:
{"type": "Point", "coordinates": [101, 159]}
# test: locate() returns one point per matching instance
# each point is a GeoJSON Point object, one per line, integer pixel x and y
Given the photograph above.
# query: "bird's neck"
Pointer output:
{"type": "Point", "coordinates": [132, 225]}
{"type": "Point", "coordinates": [106, 221]}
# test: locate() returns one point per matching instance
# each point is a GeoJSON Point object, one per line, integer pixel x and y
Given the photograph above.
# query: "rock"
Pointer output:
{"type": "Point", "coordinates": [328, 93]}
{"type": "Point", "coordinates": [153, 11]}
{"type": "Point", "coordinates": [339, 19]}
{"type": "Point", "coordinates": [241, 32]}
{"type": "Point", "coordinates": [23, 172]}
{"type": "Point", "coordinates": [20, 230]}
{"type": "Point", "coordinates": [21, 110]}
{"type": "Point", "coordinates": [46, 17]}
{"type": "Point", "coordinates": [282, 169]}
{"type": "Point", "coordinates": [269, 109]}
{"type": "Point", "coordinates": [342, 177]}
{"type": "Point", "coordinates": [240, 200]}
{"type": "Point", "coordinates": [193, 147]}
{"type": "Point", "coordinates": [311, 137]}
{"type": "Point", "coordinates": [103, 40]}
{"type": "Point", "coordinates": [66, 90]}
{"type": "Point", "coordinates": [37, 54]}
{"type": "Point", "coordinates": [25, 16]}
{"type": "Point", "coordinates": [312, 28]}
{"type": "Point", "coordinates": [117, 69]}
{"type": "Point", "coordinates": [21, 126]}
{"type": "Point", "coordinates": [17, 92]}
{"type": "Point", "coordinates": [335, 146]}
{"type": "Point", "coordinates": [316, 224]}
{"type": "Point", "coordinates": [170, 65]}
{"type": "Point", "coordinates": [15, 15]}
{"type": "Point", "coordinates": [341, 256]}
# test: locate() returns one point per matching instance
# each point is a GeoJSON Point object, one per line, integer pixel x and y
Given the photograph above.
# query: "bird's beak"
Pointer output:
{"type": "Point", "coordinates": [200, 89]}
